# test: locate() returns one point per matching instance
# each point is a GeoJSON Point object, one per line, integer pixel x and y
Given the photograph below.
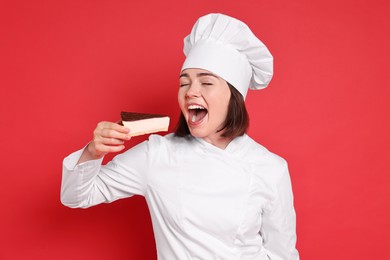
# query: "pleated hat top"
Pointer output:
{"type": "Point", "coordinates": [227, 47]}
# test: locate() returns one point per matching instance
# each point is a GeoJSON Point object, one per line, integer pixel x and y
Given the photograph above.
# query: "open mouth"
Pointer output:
{"type": "Point", "coordinates": [196, 113]}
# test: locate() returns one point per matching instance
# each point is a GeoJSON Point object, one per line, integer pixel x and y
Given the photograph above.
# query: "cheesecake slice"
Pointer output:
{"type": "Point", "coordinates": [140, 124]}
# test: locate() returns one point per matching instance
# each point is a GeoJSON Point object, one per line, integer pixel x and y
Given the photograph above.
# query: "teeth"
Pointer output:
{"type": "Point", "coordinates": [195, 107]}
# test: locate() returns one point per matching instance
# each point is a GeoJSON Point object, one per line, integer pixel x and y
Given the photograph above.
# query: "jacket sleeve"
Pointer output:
{"type": "Point", "coordinates": [279, 223]}
{"type": "Point", "coordinates": [91, 183]}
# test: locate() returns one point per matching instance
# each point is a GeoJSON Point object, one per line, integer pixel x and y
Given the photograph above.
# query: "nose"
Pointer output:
{"type": "Point", "coordinates": [193, 90]}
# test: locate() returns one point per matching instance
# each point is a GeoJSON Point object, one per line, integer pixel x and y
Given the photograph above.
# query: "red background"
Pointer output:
{"type": "Point", "coordinates": [66, 65]}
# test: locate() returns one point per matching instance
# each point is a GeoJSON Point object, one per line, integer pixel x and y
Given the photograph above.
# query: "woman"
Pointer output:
{"type": "Point", "coordinates": [212, 191]}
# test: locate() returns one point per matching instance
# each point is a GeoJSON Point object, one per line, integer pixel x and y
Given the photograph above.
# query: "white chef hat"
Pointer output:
{"type": "Point", "coordinates": [227, 47]}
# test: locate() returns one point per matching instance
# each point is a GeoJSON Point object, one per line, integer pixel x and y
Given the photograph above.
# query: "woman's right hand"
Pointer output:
{"type": "Point", "coordinates": [108, 137]}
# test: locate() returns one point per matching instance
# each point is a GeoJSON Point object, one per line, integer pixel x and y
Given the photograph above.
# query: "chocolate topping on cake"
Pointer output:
{"type": "Point", "coordinates": [130, 116]}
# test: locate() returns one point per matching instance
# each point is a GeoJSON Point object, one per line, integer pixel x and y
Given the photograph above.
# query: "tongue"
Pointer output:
{"type": "Point", "coordinates": [197, 114]}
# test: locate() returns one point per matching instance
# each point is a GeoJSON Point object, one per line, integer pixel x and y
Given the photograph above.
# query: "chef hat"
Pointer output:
{"type": "Point", "coordinates": [227, 47]}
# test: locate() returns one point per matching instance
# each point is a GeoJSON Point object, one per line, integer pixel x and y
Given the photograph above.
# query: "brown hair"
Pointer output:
{"type": "Point", "coordinates": [236, 122]}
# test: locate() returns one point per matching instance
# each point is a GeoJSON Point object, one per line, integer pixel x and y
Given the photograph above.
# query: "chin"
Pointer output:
{"type": "Point", "coordinates": [198, 133]}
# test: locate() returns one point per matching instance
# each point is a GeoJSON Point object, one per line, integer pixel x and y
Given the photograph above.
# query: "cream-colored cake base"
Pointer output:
{"type": "Point", "coordinates": [147, 126]}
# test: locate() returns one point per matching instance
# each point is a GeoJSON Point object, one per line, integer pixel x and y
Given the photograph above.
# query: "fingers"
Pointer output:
{"type": "Point", "coordinates": [109, 137]}
{"type": "Point", "coordinates": [111, 130]}
{"type": "Point", "coordinates": [109, 141]}
{"type": "Point", "coordinates": [109, 134]}
{"type": "Point", "coordinates": [102, 149]}
{"type": "Point", "coordinates": [113, 126]}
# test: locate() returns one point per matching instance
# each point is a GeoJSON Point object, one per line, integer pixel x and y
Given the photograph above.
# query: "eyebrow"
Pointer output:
{"type": "Point", "coordinates": [201, 74]}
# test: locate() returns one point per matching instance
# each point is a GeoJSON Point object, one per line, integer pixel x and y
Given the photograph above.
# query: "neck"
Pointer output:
{"type": "Point", "coordinates": [220, 142]}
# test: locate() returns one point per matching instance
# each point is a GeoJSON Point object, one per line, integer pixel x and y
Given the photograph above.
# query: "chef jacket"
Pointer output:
{"type": "Point", "coordinates": [205, 202]}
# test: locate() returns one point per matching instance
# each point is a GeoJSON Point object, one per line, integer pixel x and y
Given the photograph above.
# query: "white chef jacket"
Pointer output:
{"type": "Point", "coordinates": [205, 202]}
